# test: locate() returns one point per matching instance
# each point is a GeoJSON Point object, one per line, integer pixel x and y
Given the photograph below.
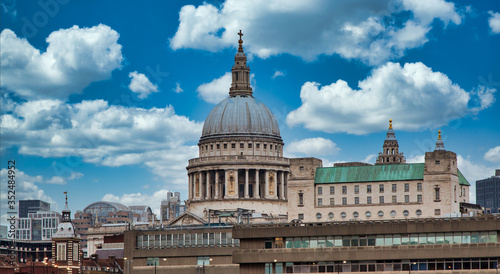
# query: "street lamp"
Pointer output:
{"type": "Point", "coordinates": [128, 264]}
{"type": "Point", "coordinates": [409, 266]}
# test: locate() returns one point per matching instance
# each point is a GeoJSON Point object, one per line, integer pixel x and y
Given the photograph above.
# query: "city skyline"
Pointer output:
{"type": "Point", "coordinates": [108, 101]}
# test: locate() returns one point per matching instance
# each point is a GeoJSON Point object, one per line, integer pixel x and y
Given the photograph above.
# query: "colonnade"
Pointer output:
{"type": "Point", "coordinates": [234, 183]}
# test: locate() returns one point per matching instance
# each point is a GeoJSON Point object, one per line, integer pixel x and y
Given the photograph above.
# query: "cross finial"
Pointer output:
{"type": "Point", "coordinates": [390, 123]}
{"type": "Point", "coordinates": [439, 134]}
{"type": "Point", "coordinates": [240, 34]}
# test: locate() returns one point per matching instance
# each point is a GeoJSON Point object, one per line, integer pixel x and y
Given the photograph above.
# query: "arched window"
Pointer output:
{"type": "Point", "coordinates": [393, 151]}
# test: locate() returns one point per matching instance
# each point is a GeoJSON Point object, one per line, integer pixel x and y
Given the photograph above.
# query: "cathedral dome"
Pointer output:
{"type": "Point", "coordinates": [240, 116]}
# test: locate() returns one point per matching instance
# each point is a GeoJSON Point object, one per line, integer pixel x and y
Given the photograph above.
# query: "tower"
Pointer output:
{"type": "Point", "coordinates": [390, 150]}
{"type": "Point", "coordinates": [66, 244]}
{"type": "Point", "coordinates": [240, 163]}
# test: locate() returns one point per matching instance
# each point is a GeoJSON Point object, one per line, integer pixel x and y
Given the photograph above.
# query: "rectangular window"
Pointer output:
{"type": "Point", "coordinates": [369, 189]}
{"type": "Point", "coordinates": [394, 188]}
{"type": "Point", "coordinates": [332, 190]}
{"type": "Point", "coordinates": [320, 190]}
{"type": "Point", "coordinates": [249, 145]}
{"type": "Point", "coordinates": [394, 199]}
{"type": "Point", "coordinates": [265, 146]}
{"type": "Point", "coordinates": [233, 145]}
{"type": "Point", "coordinates": [407, 198]}
{"type": "Point", "coordinates": [344, 200]}
{"type": "Point", "coordinates": [419, 198]}
{"type": "Point", "coordinates": [270, 146]}
{"type": "Point", "coordinates": [369, 200]}
{"type": "Point", "coordinates": [332, 201]}
{"type": "Point", "coordinates": [407, 187]}
{"type": "Point", "coordinates": [356, 189]}
{"type": "Point", "coordinates": [381, 188]}
{"type": "Point", "coordinates": [225, 146]}
{"type": "Point", "coordinates": [381, 199]}
{"type": "Point", "coordinates": [344, 189]}
{"type": "Point", "coordinates": [320, 201]}
{"type": "Point", "coordinates": [75, 252]}
{"type": "Point", "coordinates": [211, 147]}
{"type": "Point", "coordinates": [356, 200]}
{"type": "Point", "coordinates": [242, 145]}
{"type": "Point", "coordinates": [152, 261]}
{"type": "Point", "coordinates": [61, 252]}
{"type": "Point", "coordinates": [202, 260]}
{"type": "Point", "coordinates": [301, 198]}
{"type": "Point", "coordinates": [218, 146]}
{"type": "Point", "coordinates": [301, 216]}
{"type": "Point", "coordinates": [437, 211]}
{"type": "Point", "coordinates": [437, 162]}
{"type": "Point", "coordinates": [436, 194]}
{"type": "Point", "coordinates": [419, 186]}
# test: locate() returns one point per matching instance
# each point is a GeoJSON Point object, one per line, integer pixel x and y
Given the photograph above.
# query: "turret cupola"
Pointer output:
{"type": "Point", "coordinates": [390, 150]}
{"type": "Point", "coordinates": [241, 73]}
{"type": "Point", "coordinates": [439, 142]}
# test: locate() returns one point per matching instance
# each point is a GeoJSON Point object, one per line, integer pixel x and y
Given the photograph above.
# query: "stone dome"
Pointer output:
{"type": "Point", "coordinates": [240, 116]}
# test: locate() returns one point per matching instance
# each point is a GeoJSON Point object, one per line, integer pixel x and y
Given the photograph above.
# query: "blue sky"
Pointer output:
{"type": "Point", "coordinates": [106, 99]}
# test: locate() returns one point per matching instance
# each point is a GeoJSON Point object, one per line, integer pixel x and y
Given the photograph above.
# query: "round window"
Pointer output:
{"type": "Point", "coordinates": [368, 214]}
{"type": "Point", "coordinates": [355, 214]}
{"type": "Point", "coordinates": [406, 213]}
{"type": "Point", "coordinates": [330, 215]}
{"type": "Point", "coordinates": [381, 213]}
{"type": "Point", "coordinates": [343, 215]}
{"type": "Point", "coordinates": [318, 215]}
{"type": "Point", "coordinates": [418, 212]}
{"type": "Point", "coordinates": [393, 213]}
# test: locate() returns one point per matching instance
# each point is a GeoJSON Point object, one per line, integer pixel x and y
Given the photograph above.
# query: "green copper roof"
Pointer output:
{"type": "Point", "coordinates": [462, 180]}
{"type": "Point", "coordinates": [375, 173]}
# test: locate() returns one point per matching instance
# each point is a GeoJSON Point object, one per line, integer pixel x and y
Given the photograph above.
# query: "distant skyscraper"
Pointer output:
{"type": "Point", "coordinates": [171, 207]}
{"type": "Point", "coordinates": [32, 206]}
{"type": "Point", "coordinates": [488, 193]}
{"type": "Point", "coordinates": [37, 226]}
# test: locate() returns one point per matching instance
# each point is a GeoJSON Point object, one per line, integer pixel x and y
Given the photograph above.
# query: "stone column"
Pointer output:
{"type": "Point", "coordinates": [246, 184]}
{"type": "Point", "coordinates": [282, 191]}
{"type": "Point", "coordinates": [256, 185]}
{"type": "Point", "coordinates": [190, 186]}
{"type": "Point", "coordinates": [207, 186]}
{"type": "Point", "coordinates": [236, 184]}
{"type": "Point", "coordinates": [226, 184]}
{"type": "Point", "coordinates": [216, 194]}
{"type": "Point", "coordinates": [266, 187]}
{"type": "Point", "coordinates": [200, 186]}
{"type": "Point", "coordinates": [275, 184]}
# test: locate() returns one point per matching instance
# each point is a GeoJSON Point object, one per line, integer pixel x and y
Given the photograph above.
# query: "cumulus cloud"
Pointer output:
{"type": "Point", "coordinates": [178, 88]}
{"type": "Point", "coordinates": [101, 134]}
{"type": "Point", "coordinates": [413, 95]}
{"type": "Point", "coordinates": [371, 31]}
{"type": "Point", "coordinates": [26, 188]}
{"type": "Point", "coordinates": [140, 84]}
{"type": "Point", "coordinates": [217, 90]}
{"type": "Point", "coordinates": [494, 21]}
{"type": "Point", "coordinates": [60, 180]}
{"type": "Point", "coordinates": [493, 155]}
{"type": "Point", "coordinates": [278, 73]}
{"type": "Point", "coordinates": [312, 147]}
{"type": "Point", "coordinates": [74, 58]}
{"type": "Point", "coordinates": [130, 199]}
{"type": "Point", "coordinates": [473, 172]}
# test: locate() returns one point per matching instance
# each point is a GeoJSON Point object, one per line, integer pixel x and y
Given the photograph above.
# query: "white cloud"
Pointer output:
{"type": "Point", "coordinates": [363, 30]}
{"type": "Point", "coordinates": [26, 188]}
{"type": "Point", "coordinates": [130, 199]}
{"type": "Point", "coordinates": [312, 147]}
{"type": "Point", "coordinates": [472, 173]}
{"type": "Point", "coordinates": [74, 58]}
{"type": "Point", "coordinates": [494, 21]}
{"type": "Point", "coordinates": [178, 88]}
{"type": "Point", "coordinates": [140, 84]}
{"type": "Point", "coordinates": [414, 96]}
{"type": "Point", "coordinates": [102, 134]}
{"type": "Point", "coordinates": [278, 73]}
{"type": "Point", "coordinates": [217, 90]}
{"type": "Point", "coordinates": [369, 158]}
{"type": "Point", "coordinates": [493, 155]}
{"type": "Point", "coordinates": [60, 180]}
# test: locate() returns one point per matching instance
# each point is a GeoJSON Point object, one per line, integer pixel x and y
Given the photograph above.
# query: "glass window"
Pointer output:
{"type": "Point", "coordinates": [169, 239]}
{"type": "Point", "coordinates": [436, 194]}
{"type": "Point", "coordinates": [181, 239]}
{"type": "Point", "coordinates": [332, 190]}
{"type": "Point", "coordinates": [457, 238]}
{"type": "Point", "coordinates": [318, 215]}
{"type": "Point", "coordinates": [313, 242]}
{"type": "Point", "coordinates": [388, 240]}
{"type": "Point", "coordinates": [422, 238]}
{"type": "Point", "coordinates": [344, 200]}
{"type": "Point", "coordinates": [394, 188]}
{"type": "Point", "coordinates": [393, 213]}
{"type": "Point", "coordinates": [371, 240]}
{"type": "Point", "coordinates": [338, 241]}
{"type": "Point", "coordinates": [439, 238]}
{"type": "Point", "coordinates": [407, 198]}
{"type": "Point", "coordinates": [394, 199]}
{"type": "Point", "coordinates": [305, 242]}
{"type": "Point", "coordinates": [301, 198]}
{"type": "Point", "coordinates": [413, 239]}
{"type": "Point", "coordinates": [320, 201]}
{"type": "Point", "coordinates": [368, 214]}
{"type": "Point", "coordinates": [381, 199]}
{"type": "Point", "coordinates": [175, 240]}
{"type": "Point", "coordinates": [419, 198]}
{"type": "Point", "coordinates": [419, 186]}
{"type": "Point", "coordinates": [343, 215]}
{"type": "Point", "coordinates": [321, 241]}
{"type": "Point", "coordinates": [466, 237]}
{"type": "Point", "coordinates": [379, 241]}
{"type": "Point", "coordinates": [330, 240]}
{"type": "Point", "coordinates": [407, 187]}
{"type": "Point", "coordinates": [369, 189]}
{"type": "Point", "coordinates": [355, 214]}
{"type": "Point", "coordinates": [369, 200]}
{"type": "Point", "coordinates": [381, 213]}
{"type": "Point", "coordinates": [199, 239]}
{"type": "Point", "coordinates": [483, 237]}
{"type": "Point", "coordinates": [356, 189]}
{"type": "Point", "coordinates": [431, 238]}
{"type": "Point", "coordinates": [474, 238]}
{"type": "Point", "coordinates": [405, 239]}
{"type": "Point", "coordinates": [297, 242]}
{"type": "Point", "coordinates": [320, 190]}
{"type": "Point", "coordinates": [492, 237]}
{"type": "Point", "coordinates": [301, 216]}
{"type": "Point", "coordinates": [381, 188]}
{"type": "Point", "coordinates": [332, 201]}
{"type": "Point", "coordinates": [396, 239]}
{"type": "Point", "coordinates": [330, 215]}
{"type": "Point", "coordinates": [344, 189]}
{"type": "Point", "coordinates": [418, 212]}
{"type": "Point", "coordinates": [406, 213]}
{"type": "Point", "coordinates": [354, 240]}
{"type": "Point", "coordinates": [356, 200]}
